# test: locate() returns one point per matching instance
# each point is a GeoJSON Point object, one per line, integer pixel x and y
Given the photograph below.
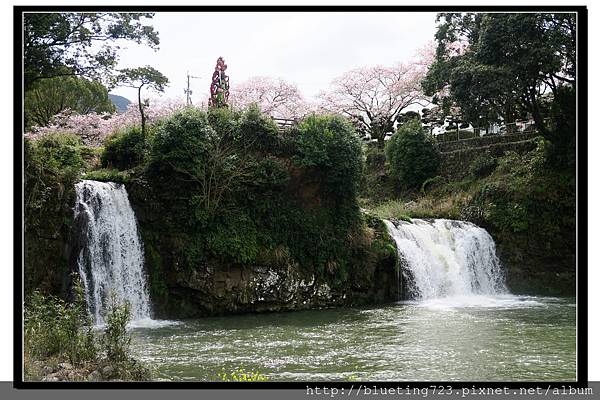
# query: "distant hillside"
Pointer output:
{"type": "Point", "coordinates": [120, 102]}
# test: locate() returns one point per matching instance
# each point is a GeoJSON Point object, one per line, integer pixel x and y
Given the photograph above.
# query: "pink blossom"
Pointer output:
{"type": "Point", "coordinates": [95, 128]}
{"type": "Point", "coordinates": [378, 92]}
{"type": "Point", "coordinates": [274, 97]}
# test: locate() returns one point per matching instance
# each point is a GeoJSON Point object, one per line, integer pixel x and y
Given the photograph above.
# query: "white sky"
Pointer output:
{"type": "Point", "coordinates": [308, 49]}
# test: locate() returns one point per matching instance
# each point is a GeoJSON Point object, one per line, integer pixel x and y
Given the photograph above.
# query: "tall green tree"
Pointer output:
{"type": "Point", "coordinates": [81, 44]}
{"type": "Point", "coordinates": [412, 155]}
{"type": "Point", "coordinates": [141, 77]}
{"type": "Point", "coordinates": [48, 97]}
{"type": "Point", "coordinates": [503, 64]}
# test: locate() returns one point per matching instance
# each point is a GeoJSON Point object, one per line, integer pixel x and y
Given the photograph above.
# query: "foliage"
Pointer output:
{"type": "Point", "coordinates": [483, 165]}
{"type": "Point", "coordinates": [115, 340]}
{"type": "Point", "coordinates": [257, 131]}
{"type": "Point", "coordinates": [139, 78]}
{"type": "Point", "coordinates": [48, 97]}
{"type": "Point", "coordinates": [53, 327]}
{"type": "Point", "coordinates": [81, 44]}
{"type": "Point", "coordinates": [242, 375]}
{"type": "Point", "coordinates": [503, 65]}
{"type": "Point", "coordinates": [329, 145]}
{"type": "Point", "coordinates": [56, 331]}
{"type": "Point", "coordinates": [126, 149]}
{"type": "Point", "coordinates": [412, 155]}
{"type": "Point", "coordinates": [52, 166]}
{"type": "Point", "coordinates": [94, 128]}
{"type": "Point", "coordinates": [108, 175]}
{"type": "Point", "coordinates": [431, 183]}
{"type": "Point", "coordinates": [231, 188]}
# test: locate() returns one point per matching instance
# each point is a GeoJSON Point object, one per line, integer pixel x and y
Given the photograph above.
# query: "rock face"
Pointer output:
{"type": "Point", "coordinates": [215, 287]}
{"type": "Point", "coordinates": [212, 290]}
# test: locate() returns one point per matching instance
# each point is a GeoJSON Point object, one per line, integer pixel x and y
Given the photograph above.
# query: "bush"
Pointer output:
{"type": "Point", "coordinates": [53, 327]}
{"type": "Point", "coordinates": [330, 146]}
{"type": "Point", "coordinates": [107, 175]}
{"type": "Point", "coordinates": [257, 131]}
{"type": "Point", "coordinates": [52, 166]}
{"type": "Point", "coordinates": [412, 155]}
{"type": "Point", "coordinates": [181, 144]}
{"type": "Point", "coordinates": [482, 166]}
{"type": "Point", "coordinates": [116, 341]}
{"type": "Point", "coordinates": [56, 331]}
{"type": "Point", "coordinates": [125, 149]}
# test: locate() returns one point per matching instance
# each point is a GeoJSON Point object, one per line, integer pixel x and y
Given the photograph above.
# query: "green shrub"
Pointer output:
{"type": "Point", "coordinates": [125, 149]}
{"type": "Point", "coordinates": [107, 175]}
{"type": "Point", "coordinates": [482, 166]}
{"type": "Point", "coordinates": [57, 331]}
{"type": "Point", "coordinates": [52, 166]}
{"type": "Point", "coordinates": [53, 327]}
{"type": "Point", "coordinates": [330, 146]}
{"type": "Point", "coordinates": [115, 340]}
{"type": "Point", "coordinates": [257, 131]}
{"type": "Point", "coordinates": [412, 155]}
{"type": "Point", "coordinates": [431, 183]}
{"type": "Point", "coordinates": [180, 147]}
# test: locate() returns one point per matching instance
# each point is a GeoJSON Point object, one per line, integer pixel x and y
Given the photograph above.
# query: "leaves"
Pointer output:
{"type": "Point", "coordinates": [48, 97]}
{"type": "Point", "coordinates": [61, 44]}
{"type": "Point", "coordinates": [142, 76]}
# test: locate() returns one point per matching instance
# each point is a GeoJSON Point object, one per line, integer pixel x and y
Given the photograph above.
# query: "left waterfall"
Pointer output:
{"type": "Point", "coordinates": [110, 254]}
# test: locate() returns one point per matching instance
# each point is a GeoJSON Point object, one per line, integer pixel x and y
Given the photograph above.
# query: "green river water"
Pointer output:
{"type": "Point", "coordinates": [503, 338]}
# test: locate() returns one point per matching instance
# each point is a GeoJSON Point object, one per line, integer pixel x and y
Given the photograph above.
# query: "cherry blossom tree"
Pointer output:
{"type": "Point", "coordinates": [274, 97]}
{"type": "Point", "coordinates": [94, 128]}
{"type": "Point", "coordinates": [373, 97]}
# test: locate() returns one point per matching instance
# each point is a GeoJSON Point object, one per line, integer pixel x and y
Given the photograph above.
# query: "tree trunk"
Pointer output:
{"type": "Point", "coordinates": [535, 112]}
{"type": "Point", "coordinates": [141, 107]}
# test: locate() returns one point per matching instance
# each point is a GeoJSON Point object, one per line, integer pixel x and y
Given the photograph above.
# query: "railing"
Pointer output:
{"type": "Point", "coordinates": [284, 123]}
{"type": "Point", "coordinates": [512, 128]}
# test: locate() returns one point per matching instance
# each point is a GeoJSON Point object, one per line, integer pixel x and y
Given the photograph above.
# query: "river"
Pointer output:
{"type": "Point", "coordinates": [475, 338]}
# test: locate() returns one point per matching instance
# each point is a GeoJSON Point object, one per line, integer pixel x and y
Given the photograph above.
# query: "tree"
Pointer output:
{"type": "Point", "coordinates": [141, 77]}
{"type": "Point", "coordinates": [412, 155]}
{"type": "Point", "coordinates": [274, 97]}
{"type": "Point", "coordinates": [373, 97]}
{"type": "Point", "coordinates": [507, 63]}
{"type": "Point", "coordinates": [81, 44]}
{"type": "Point", "coordinates": [48, 97]}
{"type": "Point", "coordinates": [94, 128]}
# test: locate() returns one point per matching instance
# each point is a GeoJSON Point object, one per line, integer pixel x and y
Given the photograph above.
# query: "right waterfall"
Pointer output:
{"type": "Point", "coordinates": [447, 258]}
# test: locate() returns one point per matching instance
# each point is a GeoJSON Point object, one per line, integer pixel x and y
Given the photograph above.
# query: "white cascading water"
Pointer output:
{"type": "Point", "coordinates": [448, 259]}
{"type": "Point", "coordinates": [111, 256]}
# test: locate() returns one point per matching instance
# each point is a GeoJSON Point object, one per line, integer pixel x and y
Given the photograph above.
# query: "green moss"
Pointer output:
{"type": "Point", "coordinates": [108, 175]}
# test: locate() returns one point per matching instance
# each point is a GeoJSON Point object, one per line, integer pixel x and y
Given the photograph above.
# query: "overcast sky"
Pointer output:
{"type": "Point", "coordinates": [308, 49]}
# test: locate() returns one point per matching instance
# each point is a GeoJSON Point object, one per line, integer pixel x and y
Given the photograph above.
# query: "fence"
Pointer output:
{"type": "Point", "coordinates": [284, 123]}
{"type": "Point", "coordinates": [504, 130]}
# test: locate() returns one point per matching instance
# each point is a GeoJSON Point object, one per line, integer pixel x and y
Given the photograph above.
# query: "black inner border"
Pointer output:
{"type": "Point", "coordinates": [581, 195]}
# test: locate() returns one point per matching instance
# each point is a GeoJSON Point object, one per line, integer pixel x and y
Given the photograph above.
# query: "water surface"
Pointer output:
{"type": "Point", "coordinates": [474, 338]}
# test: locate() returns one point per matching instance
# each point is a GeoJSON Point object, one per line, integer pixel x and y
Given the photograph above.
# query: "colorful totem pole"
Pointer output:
{"type": "Point", "coordinates": [219, 88]}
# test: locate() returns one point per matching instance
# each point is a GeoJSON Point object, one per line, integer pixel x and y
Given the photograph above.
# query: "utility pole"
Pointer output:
{"type": "Point", "coordinates": [188, 91]}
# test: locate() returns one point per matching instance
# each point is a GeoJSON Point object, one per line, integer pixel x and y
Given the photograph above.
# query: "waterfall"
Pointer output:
{"type": "Point", "coordinates": [446, 258]}
{"type": "Point", "coordinates": [110, 255]}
